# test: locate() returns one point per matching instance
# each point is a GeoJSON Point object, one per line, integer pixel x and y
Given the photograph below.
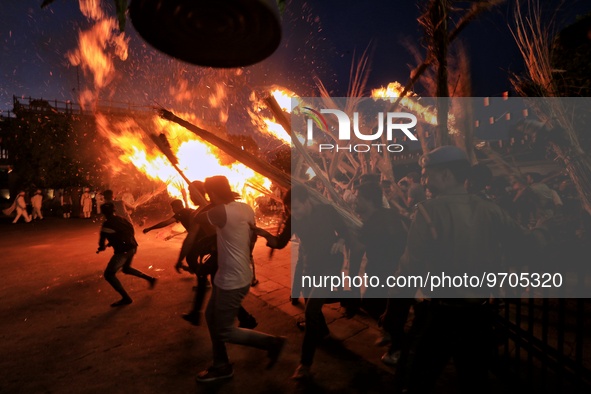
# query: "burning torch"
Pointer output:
{"type": "Point", "coordinates": [164, 146]}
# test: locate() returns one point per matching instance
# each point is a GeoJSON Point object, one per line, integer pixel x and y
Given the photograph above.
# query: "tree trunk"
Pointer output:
{"type": "Point", "coordinates": [439, 15]}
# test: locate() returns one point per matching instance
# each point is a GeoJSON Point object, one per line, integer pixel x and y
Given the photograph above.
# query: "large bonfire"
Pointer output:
{"type": "Point", "coordinates": [132, 137]}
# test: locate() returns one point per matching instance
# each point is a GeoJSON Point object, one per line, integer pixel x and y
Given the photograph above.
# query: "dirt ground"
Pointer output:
{"type": "Point", "coordinates": [58, 333]}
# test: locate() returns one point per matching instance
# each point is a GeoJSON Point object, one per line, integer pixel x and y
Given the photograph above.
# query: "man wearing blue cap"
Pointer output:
{"type": "Point", "coordinates": [455, 233]}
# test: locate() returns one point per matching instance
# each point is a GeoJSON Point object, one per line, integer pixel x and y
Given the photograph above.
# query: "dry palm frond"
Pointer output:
{"type": "Point", "coordinates": [533, 37]}
{"type": "Point", "coordinates": [358, 76]}
{"type": "Point", "coordinates": [461, 86]}
{"type": "Point", "coordinates": [337, 202]}
{"type": "Point", "coordinates": [141, 200]}
{"type": "Point", "coordinates": [507, 168]}
{"type": "Point", "coordinates": [460, 81]}
{"type": "Point", "coordinates": [434, 21]}
{"type": "Point", "coordinates": [477, 8]}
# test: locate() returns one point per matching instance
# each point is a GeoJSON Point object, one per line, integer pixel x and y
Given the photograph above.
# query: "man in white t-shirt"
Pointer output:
{"type": "Point", "coordinates": [233, 221]}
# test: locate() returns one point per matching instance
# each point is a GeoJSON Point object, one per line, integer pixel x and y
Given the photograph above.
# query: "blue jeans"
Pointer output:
{"type": "Point", "coordinates": [220, 315]}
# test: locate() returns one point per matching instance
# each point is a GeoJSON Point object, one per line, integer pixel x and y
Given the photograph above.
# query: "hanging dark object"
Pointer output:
{"type": "Point", "coordinates": [212, 33]}
{"type": "Point", "coordinates": [46, 3]}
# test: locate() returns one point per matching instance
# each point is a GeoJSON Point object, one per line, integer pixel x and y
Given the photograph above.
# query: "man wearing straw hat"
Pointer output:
{"type": "Point", "coordinates": [233, 221]}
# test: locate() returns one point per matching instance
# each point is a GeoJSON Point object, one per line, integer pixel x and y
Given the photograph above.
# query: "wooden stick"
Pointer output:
{"type": "Point", "coordinates": [351, 219]}
{"type": "Point", "coordinates": [279, 177]}
{"type": "Point", "coordinates": [164, 146]}
{"type": "Point", "coordinates": [286, 124]}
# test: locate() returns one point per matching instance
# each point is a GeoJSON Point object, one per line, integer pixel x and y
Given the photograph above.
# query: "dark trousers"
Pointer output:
{"type": "Point", "coordinates": [122, 261]}
{"type": "Point", "coordinates": [395, 319]}
{"type": "Point", "coordinates": [462, 333]}
{"type": "Point", "coordinates": [316, 327]}
{"type": "Point", "coordinates": [202, 266]}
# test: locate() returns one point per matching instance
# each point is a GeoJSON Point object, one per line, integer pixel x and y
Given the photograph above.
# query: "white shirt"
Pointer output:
{"type": "Point", "coordinates": [233, 243]}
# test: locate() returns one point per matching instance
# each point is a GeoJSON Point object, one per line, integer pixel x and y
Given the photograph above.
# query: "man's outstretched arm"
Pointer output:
{"type": "Point", "coordinates": [162, 224]}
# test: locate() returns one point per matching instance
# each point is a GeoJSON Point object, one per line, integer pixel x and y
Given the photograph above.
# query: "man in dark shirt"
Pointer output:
{"type": "Point", "coordinates": [119, 234]}
{"type": "Point", "coordinates": [461, 234]}
{"type": "Point", "coordinates": [199, 251]}
{"type": "Point", "coordinates": [382, 239]}
{"type": "Point", "coordinates": [181, 215]}
{"type": "Point", "coordinates": [323, 235]}
{"type": "Point", "coordinates": [122, 209]}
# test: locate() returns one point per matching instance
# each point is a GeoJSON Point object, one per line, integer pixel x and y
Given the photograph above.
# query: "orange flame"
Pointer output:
{"type": "Point", "coordinates": [283, 97]}
{"type": "Point", "coordinates": [196, 159]}
{"type": "Point", "coordinates": [94, 45]}
{"type": "Point", "coordinates": [429, 115]}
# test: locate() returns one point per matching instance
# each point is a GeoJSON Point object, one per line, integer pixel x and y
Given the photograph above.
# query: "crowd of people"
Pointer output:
{"type": "Point", "coordinates": [219, 244]}
{"type": "Point", "coordinates": [452, 216]}
{"type": "Point", "coordinates": [527, 197]}
{"type": "Point", "coordinates": [66, 203]}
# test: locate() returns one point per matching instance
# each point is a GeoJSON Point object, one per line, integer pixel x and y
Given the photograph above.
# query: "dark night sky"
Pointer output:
{"type": "Point", "coordinates": [320, 38]}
